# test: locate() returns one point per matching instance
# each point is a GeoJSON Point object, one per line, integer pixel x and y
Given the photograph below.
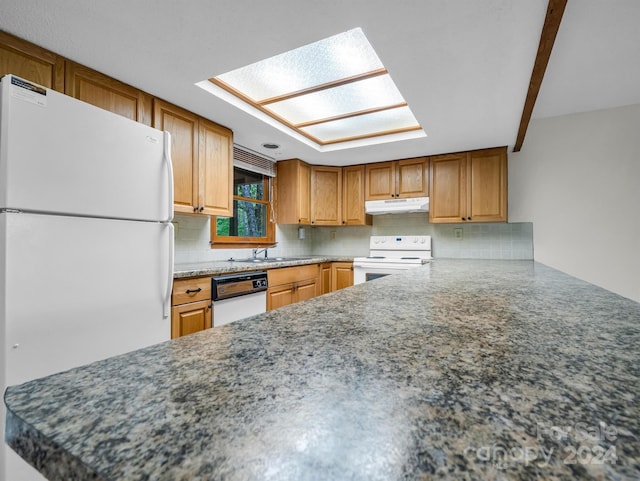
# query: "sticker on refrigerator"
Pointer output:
{"type": "Point", "coordinates": [30, 92]}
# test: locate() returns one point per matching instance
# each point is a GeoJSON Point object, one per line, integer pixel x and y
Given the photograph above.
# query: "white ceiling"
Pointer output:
{"type": "Point", "coordinates": [462, 65]}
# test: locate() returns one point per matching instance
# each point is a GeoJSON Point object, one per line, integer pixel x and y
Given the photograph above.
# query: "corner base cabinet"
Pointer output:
{"type": "Point", "coordinates": [341, 275]}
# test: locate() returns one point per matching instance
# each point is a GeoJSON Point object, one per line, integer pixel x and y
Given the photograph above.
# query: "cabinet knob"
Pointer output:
{"type": "Point", "coordinates": [195, 208]}
{"type": "Point", "coordinates": [201, 209]}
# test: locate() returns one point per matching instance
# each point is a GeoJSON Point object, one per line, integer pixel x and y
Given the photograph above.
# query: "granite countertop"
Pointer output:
{"type": "Point", "coordinates": [212, 268]}
{"type": "Point", "coordinates": [464, 370]}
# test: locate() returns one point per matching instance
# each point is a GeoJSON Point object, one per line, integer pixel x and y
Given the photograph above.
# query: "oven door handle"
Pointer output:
{"type": "Point", "coordinates": [379, 267]}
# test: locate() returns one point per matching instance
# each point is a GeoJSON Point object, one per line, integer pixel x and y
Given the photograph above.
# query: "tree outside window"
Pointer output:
{"type": "Point", "coordinates": [251, 221]}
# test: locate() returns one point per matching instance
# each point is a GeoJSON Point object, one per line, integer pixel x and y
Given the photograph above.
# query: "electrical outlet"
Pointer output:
{"type": "Point", "coordinates": [457, 233]}
{"type": "Point", "coordinates": [332, 235]}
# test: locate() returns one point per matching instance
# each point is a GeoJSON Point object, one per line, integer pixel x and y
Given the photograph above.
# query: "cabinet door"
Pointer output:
{"type": "Point", "coordinates": [280, 296]}
{"type": "Point", "coordinates": [325, 278]}
{"type": "Point", "coordinates": [304, 193]}
{"type": "Point", "coordinates": [341, 275]}
{"type": "Point", "coordinates": [413, 177]}
{"type": "Point", "coordinates": [306, 290]}
{"type": "Point", "coordinates": [448, 188]}
{"type": "Point", "coordinates": [487, 185]}
{"type": "Point", "coordinates": [107, 93]}
{"type": "Point", "coordinates": [31, 62]}
{"type": "Point", "coordinates": [380, 181]}
{"type": "Point", "coordinates": [353, 196]}
{"type": "Point", "coordinates": [190, 318]}
{"type": "Point", "coordinates": [215, 171]}
{"type": "Point", "coordinates": [326, 195]}
{"type": "Point", "coordinates": [183, 127]}
{"type": "Point", "coordinates": [293, 192]}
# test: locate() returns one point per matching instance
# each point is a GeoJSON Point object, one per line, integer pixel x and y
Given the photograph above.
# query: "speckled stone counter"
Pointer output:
{"type": "Point", "coordinates": [211, 268]}
{"type": "Point", "coordinates": [467, 370]}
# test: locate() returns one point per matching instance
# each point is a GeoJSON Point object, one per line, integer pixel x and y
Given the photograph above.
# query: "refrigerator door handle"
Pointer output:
{"type": "Point", "coordinates": [167, 298]}
{"type": "Point", "coordinates": [169, 167]}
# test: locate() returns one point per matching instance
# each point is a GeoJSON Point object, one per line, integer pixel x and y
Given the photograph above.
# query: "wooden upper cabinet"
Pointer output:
{"type": "Point", "coordinates": [202, 156]}
{"type": "Point", "coordinates": [469, 187]}
{"type": "Point", "coordinates": [31, 62]}
{"type": "Point", "coordinates": [183, 127]}
{"type": "Point", "coordinates": [326, 195]}
{"type": "Point", "coordinates": [397, 179]}
{"type": "Point", "coordinates": [353, 196]}
{"type": "Point", "coordinates": [412, 177]}
{"type": "Point", "coordinates": [293, 192]}
{"type": "Point", "coordinates": [447, 201]}
{"type": "Point", "coordinates": [487, 185]}
{"type": "Point", "coordinates": [380, 181]}
{"type": "Point", "coordinates": [215, 169]}
{"type": "Point", "coordinates": [107, 93]}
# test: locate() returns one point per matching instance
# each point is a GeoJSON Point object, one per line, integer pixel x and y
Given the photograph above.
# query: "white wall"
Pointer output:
{"type": "Point", "coordinates": [479, 241]}
{"type": "Point", "coordinates": [192, 234]}
{"type": "Point", "coordinates": [577, 179]}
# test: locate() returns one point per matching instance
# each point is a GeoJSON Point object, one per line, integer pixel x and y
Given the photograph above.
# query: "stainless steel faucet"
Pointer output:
{"type": "Point", "coordinates": [255, 252]}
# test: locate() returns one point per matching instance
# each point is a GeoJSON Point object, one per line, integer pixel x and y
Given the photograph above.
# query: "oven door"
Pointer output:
{"type": "Point", "coordinates": [367, 271]}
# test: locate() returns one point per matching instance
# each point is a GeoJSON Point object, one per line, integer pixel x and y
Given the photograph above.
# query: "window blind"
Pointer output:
{"type": "Point", "coordinates": [252, 161]}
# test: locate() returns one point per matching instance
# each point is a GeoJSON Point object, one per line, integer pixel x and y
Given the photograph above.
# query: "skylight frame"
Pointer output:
{"type": "Point", "coordinates": [262, 104]}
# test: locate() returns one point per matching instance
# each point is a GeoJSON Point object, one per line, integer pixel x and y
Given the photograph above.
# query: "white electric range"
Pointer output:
{"type": "Point", "coordinates": [391, 255]}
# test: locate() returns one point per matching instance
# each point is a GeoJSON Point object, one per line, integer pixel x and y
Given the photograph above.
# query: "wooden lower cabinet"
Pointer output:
{"type": "Point", "coordinates": [306, 290]}
{"type": "Point", "coordinates": [325, 278]}
{"type": "Point", "coordinates": [289, 285]}
{"type": "Point", "coordinates": [190, 318]}
{"type": "Point", "coordinates": [341, 275]}
{"type": "Point", "coordinates": [191, 306]}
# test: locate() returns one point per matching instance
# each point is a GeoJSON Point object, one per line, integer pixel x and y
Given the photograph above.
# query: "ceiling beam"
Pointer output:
{"type": "Point", "coordinates": [555, 10]}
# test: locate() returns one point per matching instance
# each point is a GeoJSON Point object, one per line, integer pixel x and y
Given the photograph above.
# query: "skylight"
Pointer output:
{"type": "Point", "coordinates": [334, 93]}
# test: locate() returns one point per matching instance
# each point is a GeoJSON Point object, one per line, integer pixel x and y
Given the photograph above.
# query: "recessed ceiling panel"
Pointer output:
{"type": "Point", "coordinates": [372, 93]}
{"type": "Point", "coordinates": [331, 91]}
{"type": "Point", "coordinates": [378, 123]}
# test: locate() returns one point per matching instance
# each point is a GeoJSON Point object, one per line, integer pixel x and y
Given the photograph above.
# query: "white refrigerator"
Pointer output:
{"type": "Point", "coordinates": [86, 240]}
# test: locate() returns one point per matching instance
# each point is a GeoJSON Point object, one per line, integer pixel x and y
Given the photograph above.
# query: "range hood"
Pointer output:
{"type": "Point", "coordinates": [397, 206]}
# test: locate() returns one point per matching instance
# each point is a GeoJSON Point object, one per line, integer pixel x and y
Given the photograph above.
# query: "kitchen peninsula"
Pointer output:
{"type": "Point", "coordinates": [467, 370]}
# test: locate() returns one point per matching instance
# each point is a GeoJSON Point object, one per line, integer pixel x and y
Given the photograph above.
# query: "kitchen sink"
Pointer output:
{"type": "Point", "coordinates": [259, 260]}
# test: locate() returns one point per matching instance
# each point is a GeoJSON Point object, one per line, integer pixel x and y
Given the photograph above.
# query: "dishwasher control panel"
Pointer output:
{"type": "Point", "coordinates": [240, 284]}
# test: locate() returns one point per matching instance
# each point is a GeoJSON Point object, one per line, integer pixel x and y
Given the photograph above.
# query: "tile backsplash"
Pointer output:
{"type": "Point", "coordinates": [471, 241]}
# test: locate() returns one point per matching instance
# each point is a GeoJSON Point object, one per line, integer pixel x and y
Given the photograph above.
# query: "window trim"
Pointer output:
{"type": "Point", "coordinates": [224, 242]}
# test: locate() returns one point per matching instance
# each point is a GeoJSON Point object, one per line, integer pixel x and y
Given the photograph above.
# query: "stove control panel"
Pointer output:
{"type": "Point", "coordinates": [405, 242]}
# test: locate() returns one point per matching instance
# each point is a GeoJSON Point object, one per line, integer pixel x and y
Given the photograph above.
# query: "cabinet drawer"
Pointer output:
{"type": "Point", "coordinates": [285, 275]}
{"type": "Point", "coordinates": [191, 290]}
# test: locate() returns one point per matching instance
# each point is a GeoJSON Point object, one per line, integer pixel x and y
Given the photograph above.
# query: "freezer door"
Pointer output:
{"type": "Point", "coordinates": [61, 155]}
